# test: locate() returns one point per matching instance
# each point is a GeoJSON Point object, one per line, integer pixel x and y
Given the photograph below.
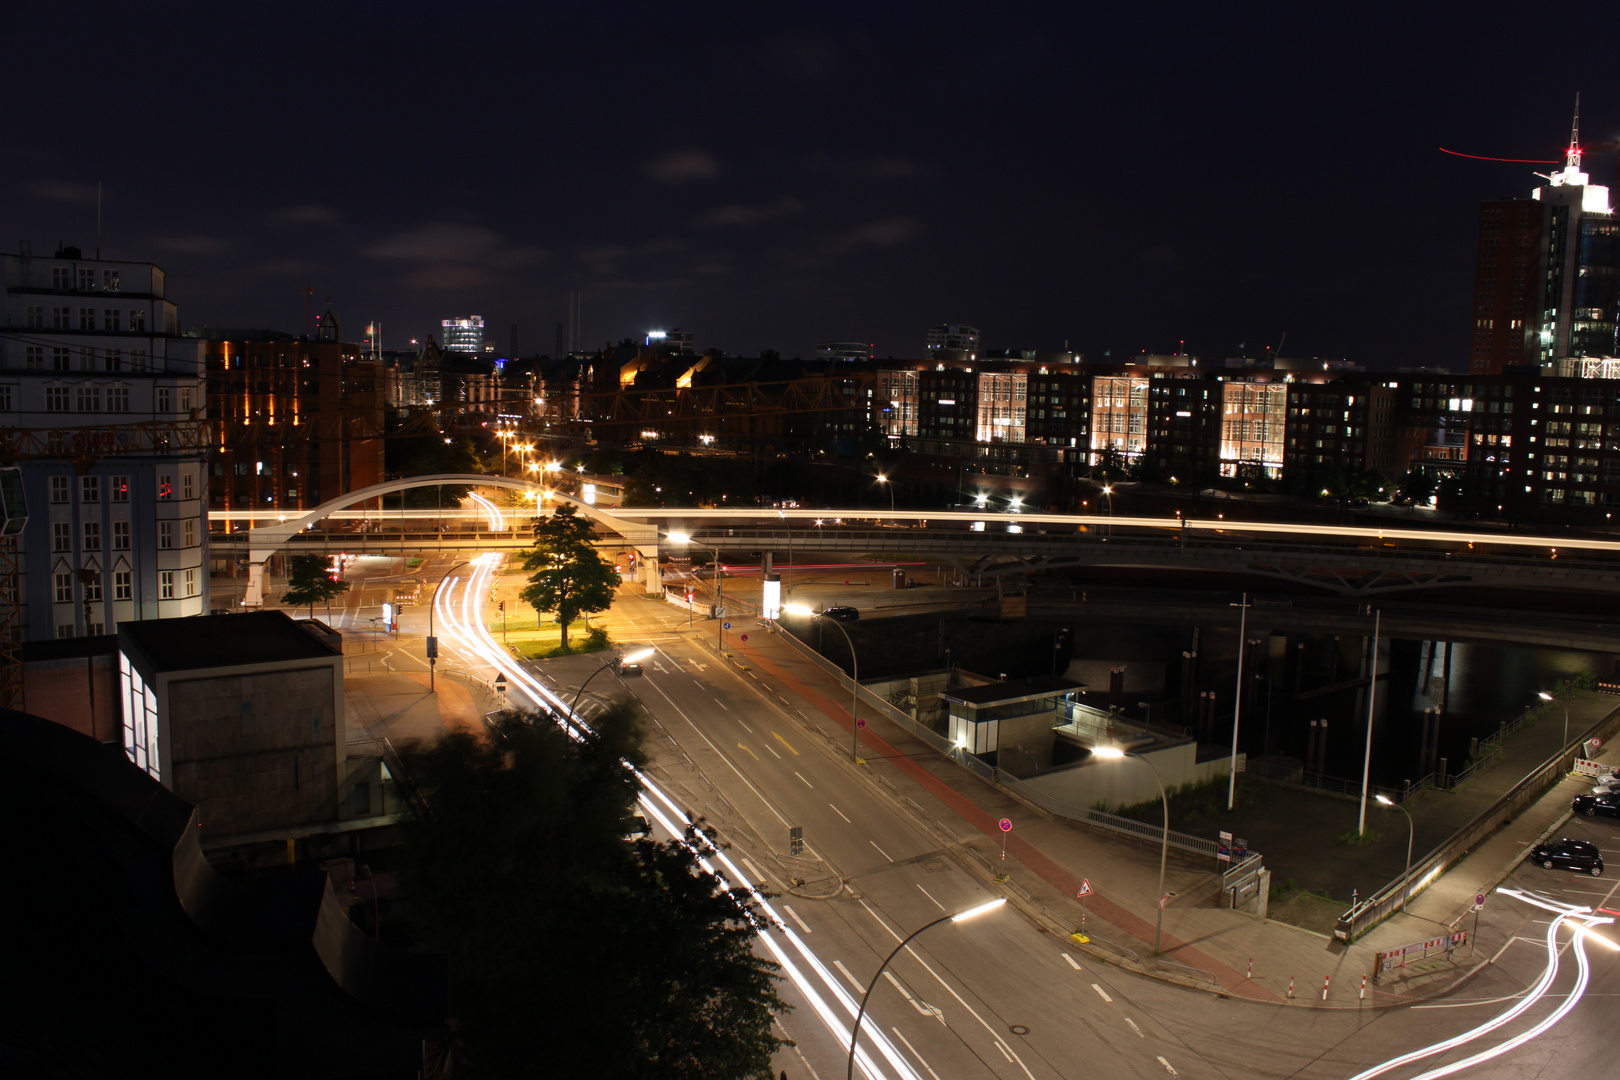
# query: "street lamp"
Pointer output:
{"type": "Point", "coordinates": [719, 588]}
{"type": "Point", "coordinates": [1544, 696]}
{"type": "Point", "coordinates": [433, 642]}
{"type": "Point", "coordinates": [1109, 491]}
{"type": "Point", "coordinates": [1406, 878]}
{"type": "Point", "coordinates": [885, 481]}
{"type": "Point", "coordinates": [854, 675]}
{"type": "Point", "coordinates": [960, 916]}
{"type": "Point", "coordinates": [639, 654]}
{"type": "Point", "coordinates": [1114, 752]}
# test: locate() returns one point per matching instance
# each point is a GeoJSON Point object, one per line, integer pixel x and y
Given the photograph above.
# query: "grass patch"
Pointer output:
{"type": "Point", "coordinates": [1189, 802]}
{"type": "Point", "coordinates": [581, 639]}
{"type": "Point", "coordinates": [412, 563]}
{"type": "Point", "coordinates": [1371, 836]}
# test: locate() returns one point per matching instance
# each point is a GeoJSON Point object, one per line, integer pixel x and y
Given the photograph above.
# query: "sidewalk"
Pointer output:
{"type": "Point", "coordinates": [1205, 945]}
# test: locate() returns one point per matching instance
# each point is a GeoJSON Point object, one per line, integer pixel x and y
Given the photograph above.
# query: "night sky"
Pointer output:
{"type": "Point", "coordinates": [1214, 174]}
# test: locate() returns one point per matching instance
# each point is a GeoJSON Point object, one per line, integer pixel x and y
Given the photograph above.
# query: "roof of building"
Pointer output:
{"type": "Point", "coordinates": [1017, 690]}
{"type": "Point", "coordinates": [209, 641]}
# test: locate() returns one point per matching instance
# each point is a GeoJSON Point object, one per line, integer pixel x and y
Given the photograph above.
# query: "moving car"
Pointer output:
{"type": "Point", "coordinates": [1568, 854]}
{"type": "Point", "coordinates": [1607, 803]}
{"type": "Point", "coordinates": [842, 614]}
{"type": "Point", "coordinates": [631, 668]}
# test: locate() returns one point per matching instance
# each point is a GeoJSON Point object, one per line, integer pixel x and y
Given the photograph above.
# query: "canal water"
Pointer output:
{"type": "Point", "coordinates": [1294, 679]}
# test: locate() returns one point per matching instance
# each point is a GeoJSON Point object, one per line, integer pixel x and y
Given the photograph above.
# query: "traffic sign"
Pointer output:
{"type": "Point", "coordinates": [745, 637]}
{"type": "Point", "coordinates": [860, 721]}
{"type": "Point", "coordinates": [1085, 888]}
{"type": "Point", "coordinates": [1479, 900]}
{"type": "Point", "coordinates": [1165, 899]}
{"type": "Point", "coordinates": [725, 626]}
{"type": "Point", "coordinates": [1596, 743]}
{"type": "Point", "coordinates": [1006, 824]}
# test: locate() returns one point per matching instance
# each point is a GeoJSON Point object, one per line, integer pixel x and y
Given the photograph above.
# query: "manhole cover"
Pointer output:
{"type": "Point", "coordinates": [935, 866]}
{"type": "Point", "coordinates": [1019, 1029]}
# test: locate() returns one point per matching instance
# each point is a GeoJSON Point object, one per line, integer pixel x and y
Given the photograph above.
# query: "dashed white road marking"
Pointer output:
{"type": "Point", "coordinates": [774, 754]}
{"type": "Point", "coordinates": [794, 915]}
{"type": "Point", "coordinates": [1171, 1069]}
{"type": "Point", "coordinates": [720, 703]}
{"type": "Point", "coordinates": [807, 783]}
{"type": "Point", "coordinates": [1134, 1028]}
{"type": "Point", "coordinates": [759, 878]}
{"type": "Point", "coordinates": [1101, 991]}
{"type": "Point", "coordinates": [930, 896]}
{"type": "Point", "coordinates": [856, 983]}
{"type": "Point", "coordinates": [1070, 959]}
{"type": "Point", "coordinates": [880, 851]}
{"type": "Point", "coordinates": [916, 1055]}
{"type": "Point", "coordinates": [1003, 1050]}
{"type": "Point", "coordinates": [744, 723]}
{"type": "Point", "coordinates": [840, 813]}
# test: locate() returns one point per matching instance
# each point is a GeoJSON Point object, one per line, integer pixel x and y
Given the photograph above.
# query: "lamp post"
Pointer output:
{"type": "Point", "coordinates": [1544, 696]}
{"type": "Point", "coordinates": [638, 655]}
{"type": "Point", "coordinates": [1109, 491]}
{"type": "Point", "coordinates": [1372, 698]}
{"type": "Point", "coordinates": [1411, 829]}
{"type": "Point", "coordinates": [1114, 752]}
{"type": "Point", "coordinates": [854, 675]}
{"type": "Point", "coordinates": [884, 480]}
{"type": "Point", "coordinates": [719, 589]}
{"type": "Point", "coordinates": [960, 916]}
{"type": "Point", "coordinates": [433, 642]}
{"type": "Point", "coordinates": [1237, 707]}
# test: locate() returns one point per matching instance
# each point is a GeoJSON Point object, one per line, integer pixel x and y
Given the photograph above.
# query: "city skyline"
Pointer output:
{"type": "Point", "coordinates": [776, 183]}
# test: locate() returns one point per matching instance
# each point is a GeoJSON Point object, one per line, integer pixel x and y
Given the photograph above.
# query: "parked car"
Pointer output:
{"type": "Point", "coordinates": [631, 669]}
{"type": "Point", "coordinates": [1568, 854]}
{"type": "Point", "coordinates": [1606, 803]}
{"type": "Point", "coordinates": [842, 614]}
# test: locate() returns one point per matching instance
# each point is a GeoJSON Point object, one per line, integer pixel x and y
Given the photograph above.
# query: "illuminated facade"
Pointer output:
{"type": "Point", "coordinates": [464, 335]}
{"type": "Point", "coordinates": [1252, 423]}
{"type": "Point", "coordinates": [1003, 400]}
{"type": "Point", "coordinates": [1119, 412]}
{"type": "Point", "coordinates": [953, 339]}
{"type": "Point", "coordinates": [897, 402]}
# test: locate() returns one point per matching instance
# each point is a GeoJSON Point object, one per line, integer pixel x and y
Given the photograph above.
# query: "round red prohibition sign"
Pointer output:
{"type": "Point", "coordinates": [1006, 824]}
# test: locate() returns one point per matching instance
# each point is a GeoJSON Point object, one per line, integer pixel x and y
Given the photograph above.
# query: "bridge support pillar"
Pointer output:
{"type": "Point", "coordinates": [254, 597]}
{"type": "Point", "coordinates": [651, 576]}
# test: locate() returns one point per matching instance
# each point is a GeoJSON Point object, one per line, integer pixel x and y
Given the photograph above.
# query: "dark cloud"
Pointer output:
{"type": "Point", "coordinates": [752, 214]}
{"type": "Point", "coordinates": [885, 233]}
{"type": "Point", "coordinates": [683, 165]}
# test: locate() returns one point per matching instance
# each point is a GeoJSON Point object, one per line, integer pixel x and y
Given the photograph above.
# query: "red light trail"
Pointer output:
{"type": "Point", "coordinates": [1482, 157]}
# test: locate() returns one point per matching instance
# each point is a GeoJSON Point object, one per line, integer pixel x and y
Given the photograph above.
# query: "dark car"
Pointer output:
{"type": "Point", "coordinates": [842, 614]}
{"type": "Point", "coordinates": [1592, 805]}
{"type": "Point", "coordinates": [1568, 855]}
{"type": "Point", "coordinates": [631, 668]}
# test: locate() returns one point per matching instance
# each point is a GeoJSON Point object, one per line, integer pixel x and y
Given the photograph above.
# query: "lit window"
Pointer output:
{"type": "Point", "coordinates": [166, 585]}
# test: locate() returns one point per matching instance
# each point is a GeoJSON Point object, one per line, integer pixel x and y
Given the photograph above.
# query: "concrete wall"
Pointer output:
{"type": "Point", "coordinates": [1127, 782]}
{"type": "Point", "coordinates": [256, 751]}
{"type": "Point", "coordinates": [59, 690]}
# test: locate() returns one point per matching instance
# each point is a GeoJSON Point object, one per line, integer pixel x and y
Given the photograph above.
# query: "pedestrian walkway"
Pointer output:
{"type": "Point", "coordinates": [1202, 944]}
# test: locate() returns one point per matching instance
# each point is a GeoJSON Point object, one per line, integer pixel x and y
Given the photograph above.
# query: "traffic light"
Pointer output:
{"type": "Point", "coordinates": [796, 840]}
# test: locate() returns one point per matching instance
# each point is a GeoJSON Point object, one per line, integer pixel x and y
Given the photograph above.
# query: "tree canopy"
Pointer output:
{"type": "Point", "coordinates": [310, 581]}
{"type": "Point", "coordinates": [573, 951]}
{"type": "Point", "coordinates": [567, 575]}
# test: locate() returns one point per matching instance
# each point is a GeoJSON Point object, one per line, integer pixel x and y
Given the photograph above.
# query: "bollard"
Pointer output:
{"type": "Point", "coordinates": [1363, 988]}
{"type": "Point", "coordinates": [1290, 987]}
{"type": "Point", "coordinates": [1325, 979]}
{"type": "Point", "coordinates": [1250, 975]}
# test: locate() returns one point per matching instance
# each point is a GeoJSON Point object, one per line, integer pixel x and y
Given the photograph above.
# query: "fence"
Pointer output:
{"type": "Point", "coordinates": [1393, 896]}
{"type": "Point", "coordinates": [979, 767]}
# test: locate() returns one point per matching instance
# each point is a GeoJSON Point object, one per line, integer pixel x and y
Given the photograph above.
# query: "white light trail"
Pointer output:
{"type": "Point", "coordinates": [497, 520]}
{"type": "Point", "coordinates": [466, 628]}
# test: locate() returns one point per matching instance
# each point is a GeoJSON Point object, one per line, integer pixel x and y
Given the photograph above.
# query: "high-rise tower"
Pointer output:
{"type": "Point", "coordinates": [1547, 276]}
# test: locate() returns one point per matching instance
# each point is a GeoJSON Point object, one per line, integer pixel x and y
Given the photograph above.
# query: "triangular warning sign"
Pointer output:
{"type": "Point", "coordinates": [1085, 888]}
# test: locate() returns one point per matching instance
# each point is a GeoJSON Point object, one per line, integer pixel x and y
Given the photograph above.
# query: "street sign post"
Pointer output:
{"type": "Point", "coordinates": [1085, 891]}
{"type": "Point", "coordinates": [1006, 827]}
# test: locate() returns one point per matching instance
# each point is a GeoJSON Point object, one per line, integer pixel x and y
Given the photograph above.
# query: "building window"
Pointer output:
{"type": "Point", "coordinates": [166, 585]}
{"type": "Point", "coordinates": [61, 358]}
{"type": "Point", "coordinates": [165, 534]}
{"type": "Point", "coordinates": [34, 317]}
{"type": "Point", "coordinates": [120, 489]}
{"type": "Point", "coordinates": [92, 593]}
{"type": "Point", "coordinates": [87, 359]}
{"type": "Point", "coordinates": [137, 358]}
{"type": "Point", "coordinates": [61, 536]}
{"type": "Point", "coordinates": [191, 581]}
{"type": "Point", "coordinates": [123, 585]}
{"type": "Point", "coordinates": [35, 357]}
{"type": "Point", "coordinates": [188, 486]}
{"type": "Point", "coordinates": [90, 489]}
{"type": "Point", "coordinates": [87, 318]}
{"type": "Point", "coordinates": [137, 320]}
{"type": "Point", "coordinates": [62, 278]}
{"type": "Point", "coordinates": [109, 318]}
{"type": "Point", "coordinates": [59, 489]}
{"type": "Point", "coordinates": [191, 532]}
{"type": "Point", "coordinates": [61, 318]}
{"type": "Point", "coordinates": [64, 588]}
{"type": "Point", "coordinates": [5, 399]}
{"type": "Point", "coordinates": [89, 399]}
{"type": "Point", "coordinates": [165, 399]}
{"type": "Point", "coordinates": [185, 399]}
{"type": "Point", "coordinates": [87, 279]}
{"type": "Point", "coordinates": [56, 399]}
{"type": "Point", "coordinates": [118, 399]}
{"type": "Point", "coordinates": [109, 281]}
{"type": "Point", "coordinates": [92, 536]}
{"type": "Point", "coordinates": [165, 490]}
{"type": "Point", "coordinates": [120, 535]}
{"type": "Point", "coordinates": [115, 359]}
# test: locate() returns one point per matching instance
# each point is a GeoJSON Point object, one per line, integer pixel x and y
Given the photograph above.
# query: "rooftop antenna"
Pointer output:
{"type": "Point", "coordinates": [1572, 159]}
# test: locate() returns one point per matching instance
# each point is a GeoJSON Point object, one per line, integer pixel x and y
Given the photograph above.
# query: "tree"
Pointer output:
{"type": "Point", "coordinates": [1416, 486]}
{"type": "Point", "coordinates": [573, 951]}
{"type": "Point", "coordinates": [310, 581]}
{"type": "Point", "coordinates": [566, 573]}
{"type": "Point", "coordinates": [1110, 463]}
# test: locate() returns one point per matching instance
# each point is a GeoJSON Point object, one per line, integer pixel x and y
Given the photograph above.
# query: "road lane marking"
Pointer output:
{"type": "Point", "coordinates": [774, 754]}
{"type": "Point", "coordinates": [916, 1055]}
{"type": "Point", "coordinates": [784, 742]}
{"type": "Point", "coordinates": [1003, 1050]}
{"type": "Point", "coordinates": [751, 754]}
{"type": "Point", "coordinates": [1070, 959]}
{"type": "Point", "coordinates": [840, 813]}
{"type": "Point", "coordinates": [930, 896]}
{"type": "Point", "coordinates": [758, 877]}
{"type": "Point", "coordinates": [880, 851]}
{"type": "Point", "coordinates": [807, 783]}
{"type": "Point", "coordinates": [1103, 992]}
{"type": "Point", "coordinates": [794, 915]}
{"type": "Point", "coordinates": [921, 1006]}
{"type": "Point", "coordinates": [744, 723]}
{"type": "Point", "coordinates": [1134, 1028]}
{"type": "Point", "coordinates": [859, 986]}
{"type": "Point", "coordinates": [785, 701]}
{"type": "Point", "coordinates": [1171, 1069]}
{"type": "Point", "coordinates": [720, 703]}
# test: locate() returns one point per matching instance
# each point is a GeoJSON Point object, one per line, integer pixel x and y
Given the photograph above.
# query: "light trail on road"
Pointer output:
{"type": "Point", "coordinates": [466, 627]}
{"type": "Point", "coordinates": [497, 520]}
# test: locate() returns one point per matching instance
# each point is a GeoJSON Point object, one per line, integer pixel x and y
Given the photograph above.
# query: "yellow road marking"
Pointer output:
{"type": "Point", "coordinates": [751, 754]}
{"type": "Point", "coordinates": [784, 742]}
